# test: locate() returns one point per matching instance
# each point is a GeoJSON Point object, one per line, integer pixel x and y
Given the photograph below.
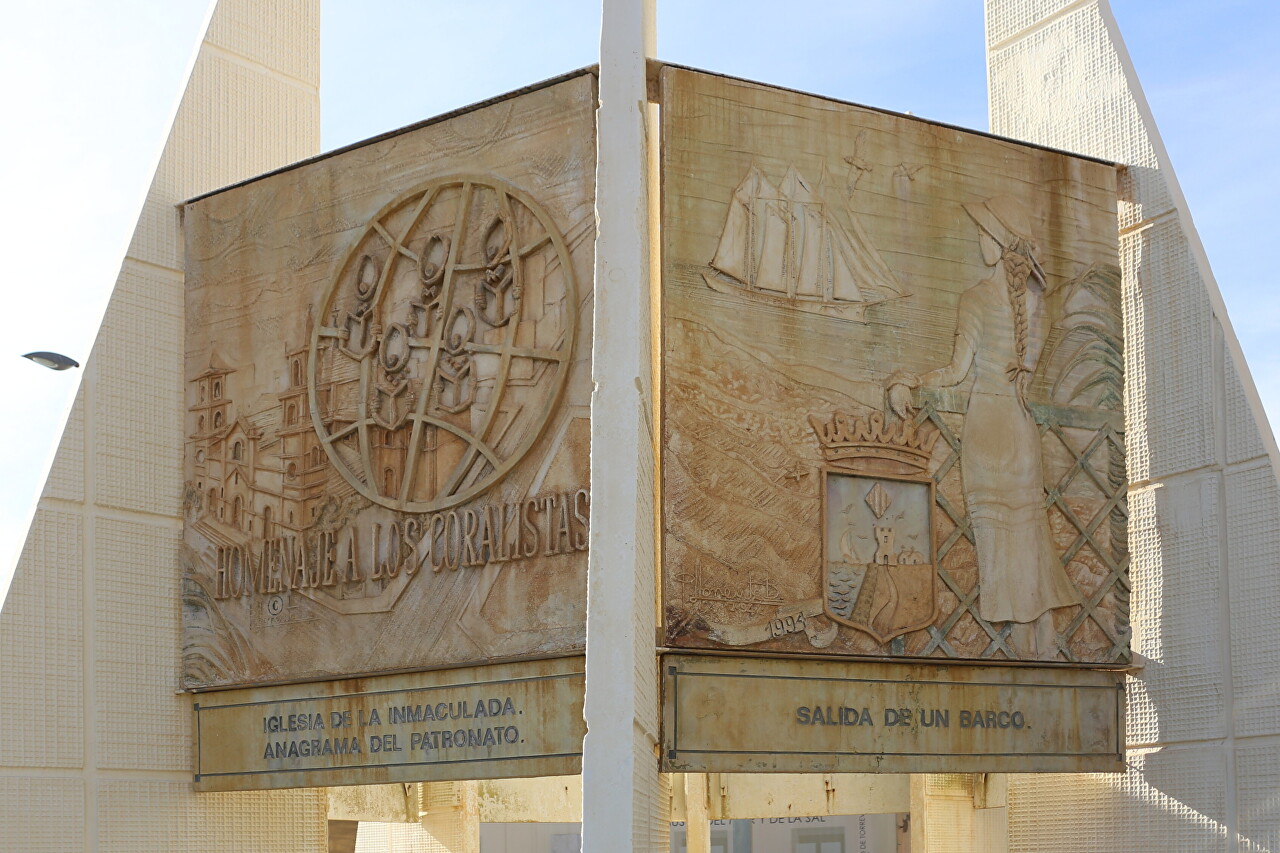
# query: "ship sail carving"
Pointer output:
{"type": "Point", "coordinates": [782, 244]}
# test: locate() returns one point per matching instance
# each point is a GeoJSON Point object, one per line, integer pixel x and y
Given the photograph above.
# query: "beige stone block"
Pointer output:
{"type": "Point", "coordinates": [1170, 799]}
{"type": "Point", "coordinates": [1244, 441]}
{"type": "Point", "coordinates": [160, 816]}
{"type": "Point", "coordinates": [1169, 371]}
{"type": "Point", "coordinates": [1007, 20]}
{"type": "Point", "coordinates": [66, 476]}
{"type": "Point", "coordinates": [753, 795]}
{"type": "Point", "coordinates": [554, 799]}
{"type": "Point", "coordinates": [397, 838]}
{"type": "Point", "coordinates": [1253, 552]}
{"type": "Point", "coordinates": [1257, 807]}
{"type": "Point", "coordinates": [204, 164]}
{"type": "Point", "coordinates": [1176, 573]}
{"type": "Point", "coordinates": [393, 803]}
{"type": "Point", "coordinates": [1144, 195]}
{"type": "Point", "coordinates": [137, 402]}
{"type": "Point", "coordinates": [270, 34]}
{"type": "Point", "coordinates": [41, 643]}
{"type": "Point", "coordinates": [41, 815]}
{"type": "Point", "coordinates": [949, 785]}
{"type": "Point", "coordinates": [1063, 85]}
{"type": "Point", "coordinates": [140, 722]}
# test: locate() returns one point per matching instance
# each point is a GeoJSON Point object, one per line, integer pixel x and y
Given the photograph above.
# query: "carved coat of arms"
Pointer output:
{"type": "Point", "coordinates": [879, 563]}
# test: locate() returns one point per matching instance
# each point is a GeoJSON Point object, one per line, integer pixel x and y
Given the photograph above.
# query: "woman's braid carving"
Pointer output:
{"type": "Point", "coordinates": [1018, 268]}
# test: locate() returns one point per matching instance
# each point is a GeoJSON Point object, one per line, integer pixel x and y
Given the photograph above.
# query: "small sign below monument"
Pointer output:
{"type": "Point", "coordinates": [472, 723]}
{"type": "Point", "coordinates": [740, 715]}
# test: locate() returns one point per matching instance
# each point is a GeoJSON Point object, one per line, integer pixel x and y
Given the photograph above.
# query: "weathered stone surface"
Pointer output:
{"type": "Point", "coordinates": [892, 414]}
{"type": "Point", "coordinates": [507, 720]}
{"type": "Point", "coordinates": [387, 390]}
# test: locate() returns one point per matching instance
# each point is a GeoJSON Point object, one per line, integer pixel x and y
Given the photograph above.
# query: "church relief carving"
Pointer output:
{"type": "Point", "coordinates": [388, 396]}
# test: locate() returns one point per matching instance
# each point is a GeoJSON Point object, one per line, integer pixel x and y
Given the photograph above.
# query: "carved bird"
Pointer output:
{"type": "Point", "coordinates": [908, 172]}
{"type": "Point", "coordinates": [857, 165]}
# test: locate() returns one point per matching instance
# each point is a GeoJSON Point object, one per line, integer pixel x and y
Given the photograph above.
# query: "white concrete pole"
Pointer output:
{"type": "Point", "coordinates": [624, 807]}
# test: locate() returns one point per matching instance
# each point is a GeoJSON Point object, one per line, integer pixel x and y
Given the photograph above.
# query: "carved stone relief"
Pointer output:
{"type": "Point", "coordinates": [447, 344]}
{"type": "Point", "coordinates": [388, 391]}
{"type": "Point", "coordinates": [892, 399]}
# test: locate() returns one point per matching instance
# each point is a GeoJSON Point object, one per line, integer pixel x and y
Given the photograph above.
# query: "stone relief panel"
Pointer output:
{"type": "Point", "coordinates": [892, 385]}
{"type": "Point", "coordinates": [388, 387]}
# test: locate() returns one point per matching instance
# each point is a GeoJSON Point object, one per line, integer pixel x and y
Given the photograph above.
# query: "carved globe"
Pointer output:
{"type": "Point", "coordinates": [442, 345]}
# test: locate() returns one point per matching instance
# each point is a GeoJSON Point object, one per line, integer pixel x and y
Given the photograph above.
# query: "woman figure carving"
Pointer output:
{"type": "Point", "coordinates": [996, 340]}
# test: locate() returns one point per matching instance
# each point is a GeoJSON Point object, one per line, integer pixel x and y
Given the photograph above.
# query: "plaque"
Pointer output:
{"type": "Point", "coordinates": [387, 401]}
{"type": "Point", "coordinates": [738, 715]}
{"type": "Point", "coordinates": [513, 720]}
{"type": "Point", "coordinates": [892, 367]}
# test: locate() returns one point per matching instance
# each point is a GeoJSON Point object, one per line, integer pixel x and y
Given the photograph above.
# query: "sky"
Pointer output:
{"type": "Point", "coordinates": [88, 89]}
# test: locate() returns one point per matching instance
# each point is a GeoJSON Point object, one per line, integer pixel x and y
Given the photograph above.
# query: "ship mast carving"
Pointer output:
{"type": "Point", "coordinates": [782, 244]}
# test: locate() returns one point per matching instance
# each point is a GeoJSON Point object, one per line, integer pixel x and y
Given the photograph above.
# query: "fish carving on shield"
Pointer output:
{"type": "Point", "coordinates": [879, 561]}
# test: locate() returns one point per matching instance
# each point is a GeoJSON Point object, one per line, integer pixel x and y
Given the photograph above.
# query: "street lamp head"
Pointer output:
{"type": "Point", "coordinates": [52, 360]}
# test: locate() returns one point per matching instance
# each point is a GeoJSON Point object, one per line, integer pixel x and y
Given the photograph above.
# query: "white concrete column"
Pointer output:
{"type": "Point", "coordinates": [959, 813]}
{"type": "Point", "coordinates": [624, 807]}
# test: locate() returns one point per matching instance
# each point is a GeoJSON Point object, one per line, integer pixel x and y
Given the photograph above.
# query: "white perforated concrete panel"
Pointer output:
{"type": "Point", "coordinates": [66, 475]}
{"type": "Point", "coordinates": [1066, 66]}
{"type": "Point", "coordinates": [1205, 504]}
{"type": "Point", "coordinates": [1170, 800]}
{"type": "Point", "coordinates": [41, 815]}
{"type": "Point", "coordinates": [1258, 781]}
{"type": "Point", "coordinates": [1169, 382]}
{"type": "Point", "coordinates": [1010, 19]}
{"type": "Point", "coordinates": [1253, 548]}
{"type": "Point", "coordinates": [1178, 695]}
{"type": "Point", "coordinates": [269, 34]}
{"type": "Point", "coordinates": [137, 413]}
{"type": "Point", "coordinates": [95, 746]}
{"type": "Point", "coordinates": [167, 817]}
{"type": "Point", "coordinates": [136, 643]}
{"type": "Point", "coordinates": [42, 658]}
{"type": "Point", "coordinates": [1244, 437]}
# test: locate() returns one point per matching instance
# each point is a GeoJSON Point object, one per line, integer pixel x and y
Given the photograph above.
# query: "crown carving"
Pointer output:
{"type": "Point", "coordinates": [847, 440]}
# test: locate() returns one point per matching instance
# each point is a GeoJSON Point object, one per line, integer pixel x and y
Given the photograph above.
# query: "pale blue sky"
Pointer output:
{"type": "Point", "coordinates": [87, 89]}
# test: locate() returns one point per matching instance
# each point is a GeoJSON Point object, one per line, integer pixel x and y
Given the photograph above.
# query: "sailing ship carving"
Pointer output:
{"type": "Point", "coordinates": [783, 244]}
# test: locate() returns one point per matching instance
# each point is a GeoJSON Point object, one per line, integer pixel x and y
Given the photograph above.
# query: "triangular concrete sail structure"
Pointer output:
{"type": "Point", "coordinates": [97, 745]}
{"type": "Point", "coordinates": [1204, 500]}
